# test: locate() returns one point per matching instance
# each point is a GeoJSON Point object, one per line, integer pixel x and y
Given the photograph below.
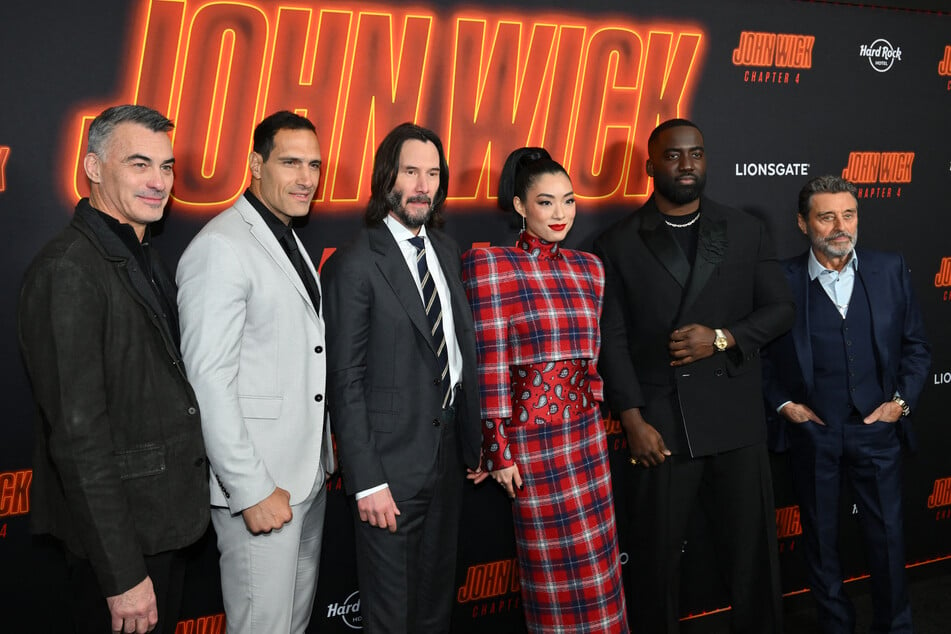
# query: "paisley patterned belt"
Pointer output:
{"type": "Point", "coordinates": [550, 392]}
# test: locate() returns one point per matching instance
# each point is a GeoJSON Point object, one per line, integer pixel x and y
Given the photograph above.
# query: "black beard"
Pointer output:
{"type": "Point", "coordinates": [680, 194]}
{"type": "Point", "coordinates": [395, 201]}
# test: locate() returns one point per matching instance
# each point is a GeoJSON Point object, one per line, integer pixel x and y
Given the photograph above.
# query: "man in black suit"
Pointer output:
{"type": "Point", "coordinates": [119, 472]}
{"type": "Point", "coordinates": [844, 380]}
{"type": "Point", "coordinates": [402, 387]}
{"type": "Point", "coordinates": [692, 293]}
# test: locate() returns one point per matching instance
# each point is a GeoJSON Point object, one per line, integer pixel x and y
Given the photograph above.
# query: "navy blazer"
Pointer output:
{"type": "Point", "coordinates": [898, 333]}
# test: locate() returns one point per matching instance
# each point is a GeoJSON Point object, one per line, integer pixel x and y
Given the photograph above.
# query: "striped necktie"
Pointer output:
{"type": "Point", "coordinates": [434, 314]}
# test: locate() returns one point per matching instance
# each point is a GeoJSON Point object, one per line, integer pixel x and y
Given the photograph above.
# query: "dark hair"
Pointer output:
{"type": "Point", "coordinates": [105, 124]}
{"type": "Point", "coordinates": [823, 185]}
{"type": "Point", "coordinates": [521, 168]}
{"type": "Point", "coordinates": [386, 164]}
{"type": "Point", "coordinates": [265, 131]}
{"type": "Point", "coordinates": [667, 125]}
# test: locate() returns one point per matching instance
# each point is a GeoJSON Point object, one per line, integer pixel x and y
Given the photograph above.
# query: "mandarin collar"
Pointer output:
{"type": "Point", "coordinates": [538, 247]}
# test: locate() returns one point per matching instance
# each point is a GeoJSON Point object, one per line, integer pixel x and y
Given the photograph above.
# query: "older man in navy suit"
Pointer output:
{"type": "Point", "coordinates": [844, 381]}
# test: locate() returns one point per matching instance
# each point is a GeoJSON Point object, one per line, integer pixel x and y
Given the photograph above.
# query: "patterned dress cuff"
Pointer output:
{"type": "Point", "coordinates": [496, 453]}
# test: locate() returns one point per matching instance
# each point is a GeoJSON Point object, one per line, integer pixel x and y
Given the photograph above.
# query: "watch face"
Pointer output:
{"type": "Point", "coordinates": [720, 343]}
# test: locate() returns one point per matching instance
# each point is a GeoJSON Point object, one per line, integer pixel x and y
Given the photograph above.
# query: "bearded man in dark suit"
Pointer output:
{"type": "Point", "coordinates": [404, 401]}
{"type": "Point", "coordinates": [844, 382]}
{"type": "Point", "coordinates": [692, 292]}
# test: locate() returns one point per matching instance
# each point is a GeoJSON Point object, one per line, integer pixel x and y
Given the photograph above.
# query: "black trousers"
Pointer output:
{"type": "Point", "coordinates": [735, 490]}
{"type": "Point", "coordinates": [407, 578]}
{"type": "Point", "coordinates": [87, 603]}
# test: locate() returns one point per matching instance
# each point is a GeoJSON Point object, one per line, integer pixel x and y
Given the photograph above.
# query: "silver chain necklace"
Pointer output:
{"type": "Point", "coordinates": [686, 224]}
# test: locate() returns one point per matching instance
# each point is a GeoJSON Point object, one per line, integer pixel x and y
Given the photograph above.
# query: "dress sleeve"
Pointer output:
{"type": "Point", "coordinates": [496, 453]}
{"type": "Point", "coordinates": [596, 275]}
{"type": "Point", "coordinates": [485, 282]}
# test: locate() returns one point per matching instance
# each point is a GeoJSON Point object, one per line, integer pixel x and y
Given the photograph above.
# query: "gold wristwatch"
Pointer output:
{"type": "Point", "coordinates": [905, 410]}
{"type": "Point", "coordinates": [720, 342]}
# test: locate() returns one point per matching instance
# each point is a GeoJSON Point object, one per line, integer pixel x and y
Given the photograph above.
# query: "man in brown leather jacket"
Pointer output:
{"type": "Point", "coordinates": [119, 474]}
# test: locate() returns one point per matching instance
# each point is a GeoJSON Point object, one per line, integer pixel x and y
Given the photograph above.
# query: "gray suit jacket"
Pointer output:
{"type": "Point", "coordinates": [385, 395]}
{"type": "Point", "coordinates": [254, 348]}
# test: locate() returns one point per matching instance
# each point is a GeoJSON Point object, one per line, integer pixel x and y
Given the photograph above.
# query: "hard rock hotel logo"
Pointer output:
{"type": "Point", "coordinates": [879, 174]}
{"type": "Point", "coordinates": [589, 89]}
{"type": "Point", "coordinates": [491, 588]}
{"type": "Point", "coordinates": [940, 499]}
{"type": "Point", "coordinates": [881, 55]}
{"type": "Point", "coordinates": [773, 58]}
{"type": "Point", "coordinates": [347, 611]}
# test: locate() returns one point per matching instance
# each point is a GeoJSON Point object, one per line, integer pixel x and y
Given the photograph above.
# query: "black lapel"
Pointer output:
{"type": "Point", "coordinates": [711, 249]}
{"type": "Point", "coordinates": [663, 245]}
{"type": "Point", "coordinates": [393, 267]}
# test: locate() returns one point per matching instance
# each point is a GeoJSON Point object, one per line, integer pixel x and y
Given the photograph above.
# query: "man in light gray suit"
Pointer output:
{"type": "Point", "coordinates": [253, 344]}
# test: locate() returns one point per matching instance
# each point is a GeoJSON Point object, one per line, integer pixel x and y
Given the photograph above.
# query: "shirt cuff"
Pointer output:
{"type": "Point", "coordinates": [364, 493]}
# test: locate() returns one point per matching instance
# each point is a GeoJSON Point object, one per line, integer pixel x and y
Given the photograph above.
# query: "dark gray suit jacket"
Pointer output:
{"type": "Point", "coordinates": [650, 289]}
{"type": "Point", "coordinates": [383, 387]}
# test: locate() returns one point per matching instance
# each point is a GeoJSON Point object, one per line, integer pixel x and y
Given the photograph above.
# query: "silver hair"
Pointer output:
{"type": "Point", "coordinates": [105, 124]}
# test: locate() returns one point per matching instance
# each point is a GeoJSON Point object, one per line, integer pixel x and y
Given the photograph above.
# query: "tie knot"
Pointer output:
{"type": "Point", "coordinates": [418, 242]}
{"type": "Point", "coordinates": [288, 240]}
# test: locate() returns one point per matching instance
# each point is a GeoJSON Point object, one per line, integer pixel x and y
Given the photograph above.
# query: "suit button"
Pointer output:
{"type": "Point", "coordinates": [199, 462]}
{"type": "Point", "coordinates": [718, 372]}
{"type": "Point", "coordinates": [436, 422]}
{"type": "Point", "coordinates": [436, 381]}
{"type": "Point", "coordinates": [319, 349]}
{"type": "Point", "coordinates": [318, 397]}
{"type": "Point", "coordinates": [192, 411]}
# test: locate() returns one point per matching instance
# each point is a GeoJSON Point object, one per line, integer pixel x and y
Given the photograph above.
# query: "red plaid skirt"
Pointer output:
{"type": "Point", "coordinates": [565, 532]}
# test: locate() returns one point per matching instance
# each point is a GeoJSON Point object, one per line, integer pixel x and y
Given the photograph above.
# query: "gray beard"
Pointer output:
{"type": "Point", "coordinates": [826, 248]}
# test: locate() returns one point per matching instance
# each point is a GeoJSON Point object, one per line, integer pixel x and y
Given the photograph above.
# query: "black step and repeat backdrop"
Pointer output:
{"type": "Point", "coordinates": [782, 90]}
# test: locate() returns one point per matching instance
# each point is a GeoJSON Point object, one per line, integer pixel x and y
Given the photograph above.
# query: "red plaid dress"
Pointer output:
{"type": "Point", "coordinates": [536, 310]}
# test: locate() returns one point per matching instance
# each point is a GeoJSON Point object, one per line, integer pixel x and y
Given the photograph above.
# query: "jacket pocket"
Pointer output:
{"type": "Point", "coordinates": [260, 406]}
{"type": "Point", "coordinates": [140, 461]}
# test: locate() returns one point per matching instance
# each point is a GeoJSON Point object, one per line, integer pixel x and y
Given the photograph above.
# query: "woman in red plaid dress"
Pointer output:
{"type": "Point", "coordinates": [536, 309]}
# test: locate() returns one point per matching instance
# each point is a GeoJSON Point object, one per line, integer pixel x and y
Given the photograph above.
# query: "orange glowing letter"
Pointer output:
{"type": "Point", "coordinates": [220, 84]}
